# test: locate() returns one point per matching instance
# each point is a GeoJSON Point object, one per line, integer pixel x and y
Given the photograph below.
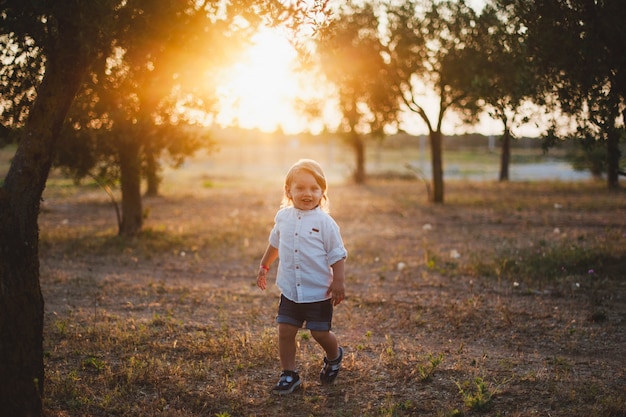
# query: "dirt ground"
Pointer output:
{"type": "Point", "coordinates": [423, 282]}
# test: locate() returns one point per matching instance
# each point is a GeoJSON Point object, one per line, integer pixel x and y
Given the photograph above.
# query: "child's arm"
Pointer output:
{"type": "Point", "coordinates": [270, 255]}
{"type": "Point", "coordinates": [336, 289]}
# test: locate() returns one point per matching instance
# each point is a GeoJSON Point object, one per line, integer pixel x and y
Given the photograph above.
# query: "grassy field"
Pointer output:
{"type": "Point", "coordinates": [509, 300]}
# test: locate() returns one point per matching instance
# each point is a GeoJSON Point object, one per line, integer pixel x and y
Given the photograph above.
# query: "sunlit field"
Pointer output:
{"type": "Point", "coordinates": [508, 300]}
{"type": "Point", "coordinates": [265, 159]}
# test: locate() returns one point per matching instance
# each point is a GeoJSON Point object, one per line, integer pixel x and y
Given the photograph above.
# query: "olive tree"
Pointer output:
{"type": "Point", "coordinates": [428, 46]}
{"type": "Point", "coordinates": [504, 78]}
{"type": "Point", "coordinates": [43, 38]}
{"type": "Point", "coordinates": [352, 60]}
{"type": "Point", "coordinates": [577, 46]}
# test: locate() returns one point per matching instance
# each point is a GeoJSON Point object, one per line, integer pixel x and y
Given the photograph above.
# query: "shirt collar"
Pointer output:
{"type": "Point", "coordinates": [308, 212]}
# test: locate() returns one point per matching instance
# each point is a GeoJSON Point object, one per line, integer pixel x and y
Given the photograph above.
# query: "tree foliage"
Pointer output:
{"type": "Point", "coordinates": [29, 36]}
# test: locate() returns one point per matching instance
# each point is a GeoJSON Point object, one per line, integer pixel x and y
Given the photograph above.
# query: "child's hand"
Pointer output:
{"type": "Point", "coordinates": [337, 292]}
{"type": "Point", "coordinates": [261, 278]}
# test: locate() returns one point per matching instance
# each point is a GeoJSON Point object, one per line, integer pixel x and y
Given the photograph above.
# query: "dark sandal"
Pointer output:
{"type": "Point", "coordinates": [289, 381]}
{"type": "Point", "coordinates": [331, 369]}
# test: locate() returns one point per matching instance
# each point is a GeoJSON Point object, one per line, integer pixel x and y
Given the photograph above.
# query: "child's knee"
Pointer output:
{"type": "Point", "coordinates": [320, 334]}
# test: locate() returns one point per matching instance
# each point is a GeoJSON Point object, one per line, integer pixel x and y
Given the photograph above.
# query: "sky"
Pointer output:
{"type": "Point", "coordinates": [260, 92]}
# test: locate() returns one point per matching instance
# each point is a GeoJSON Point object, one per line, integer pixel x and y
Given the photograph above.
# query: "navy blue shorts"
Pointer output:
{"type": "Point", "coordinates": [317, 316]}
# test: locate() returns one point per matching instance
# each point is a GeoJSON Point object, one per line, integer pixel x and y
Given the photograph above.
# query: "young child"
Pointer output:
{"type": "Point", "coordinates": [310, 272]}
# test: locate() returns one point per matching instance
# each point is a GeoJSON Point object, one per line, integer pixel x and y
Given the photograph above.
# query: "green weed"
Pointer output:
{"type": "Point", "coordinates": [95, 363]}
{"type": "Point", "coordinates": [426, 370]}
{"type": "Point", "coordinates": [476, 394]}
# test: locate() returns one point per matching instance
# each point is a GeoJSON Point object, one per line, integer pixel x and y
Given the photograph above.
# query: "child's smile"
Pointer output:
{"type": "Point", "coordinates": [304, 191]}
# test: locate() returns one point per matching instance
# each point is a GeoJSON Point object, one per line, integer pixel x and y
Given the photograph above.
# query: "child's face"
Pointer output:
{"type": "Point", "coordinates": [304, 191]}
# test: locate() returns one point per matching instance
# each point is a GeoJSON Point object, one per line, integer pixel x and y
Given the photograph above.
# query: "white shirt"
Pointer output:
{"type": "Point", "coordinates": [308, 243]}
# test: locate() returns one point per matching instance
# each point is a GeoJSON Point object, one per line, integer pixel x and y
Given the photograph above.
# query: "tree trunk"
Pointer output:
{"type": "Point", "coordinates": [505, 155]}
{"type": "Point", "coordinates": [21, 300]}
{"type": "Point", "coordinates": [613, 156]}
{"type": "Point", "coordinates": [152, 173]}
{"type": "Point", "coordinates": [130, 172]}
{"type": "Point", "coordinates": [436, 151]}
{"type": "Point", "coordinates": [359, 152]}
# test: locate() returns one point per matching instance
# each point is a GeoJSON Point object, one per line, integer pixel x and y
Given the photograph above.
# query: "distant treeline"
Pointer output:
{"type": "Point", "coordinates": [456, 142]}
{"type": "Point", "coordinates": [236, 136]}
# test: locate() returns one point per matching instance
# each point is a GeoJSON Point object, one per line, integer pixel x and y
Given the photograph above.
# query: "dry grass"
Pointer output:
{"type": "Point", "coordinates": [508, 300]}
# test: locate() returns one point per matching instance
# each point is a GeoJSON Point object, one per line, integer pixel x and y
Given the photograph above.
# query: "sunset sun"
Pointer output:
{"type": "Point", "coordinates": [259, 91]}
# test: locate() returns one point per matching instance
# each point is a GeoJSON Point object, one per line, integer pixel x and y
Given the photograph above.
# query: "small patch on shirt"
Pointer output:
{"type": "Point", "coordinates": [316, 230]}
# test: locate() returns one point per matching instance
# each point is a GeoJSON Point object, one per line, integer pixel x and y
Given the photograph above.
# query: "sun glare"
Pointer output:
{"type": "Point", "coordinates": [259, 92]}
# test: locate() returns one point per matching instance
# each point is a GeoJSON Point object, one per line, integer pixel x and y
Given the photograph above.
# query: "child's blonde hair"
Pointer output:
{"type": "Point", "coordinates": [313, 168]}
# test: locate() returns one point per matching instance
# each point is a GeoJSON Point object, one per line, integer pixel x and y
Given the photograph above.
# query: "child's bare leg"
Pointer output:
{"type": "Point", "coordinates": [328, 342]}
{"type": "Point", "coordinates": [287, 346]}
{"type": "Point", "coordinates": [334, 355]}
